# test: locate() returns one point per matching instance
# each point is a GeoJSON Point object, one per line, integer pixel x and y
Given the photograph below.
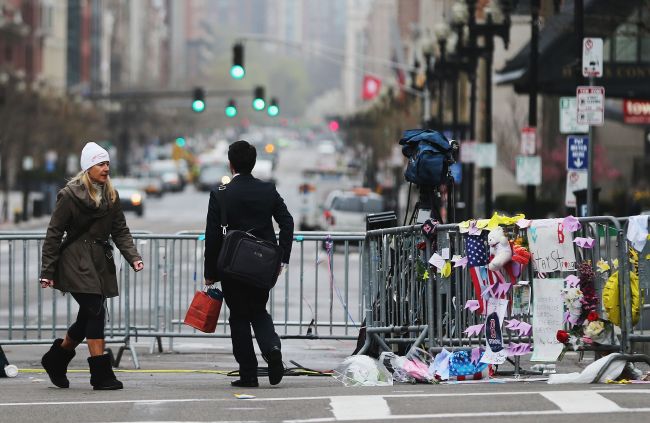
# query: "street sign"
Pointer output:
{"type": "Point", "coordinates": [575, 180]}
{"type": "Point", "coordinates": [529, 170]}
{"type": "Point", "coordinates": [485, 155]}
{"type": "Point", "coordinates": [591, 105]}
{"type": "Point", "coordinates": [528, 141]}
{"type": "Point", "coordinates": [467, 151]}
{"type": "Point", "coordinates": [636, 111]}
{"type": "Point", "coordinates": [577, 153]}
{"type": "Point", "coordinates": [592, 57]}
{"type": "Point", "coordinates": [569, 117]}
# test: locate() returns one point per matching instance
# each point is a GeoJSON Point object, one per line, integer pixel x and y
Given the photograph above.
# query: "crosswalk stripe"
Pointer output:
{"type": "Point", "coordinates": [356, 407]}
{"type": "Point", "coordinates": [581, 402]}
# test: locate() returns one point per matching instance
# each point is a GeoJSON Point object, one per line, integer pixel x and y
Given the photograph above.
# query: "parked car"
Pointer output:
{"type": "Point", "coordinates": [131, 194]}
{"type": "Point", "coordinates": [212, 175]}
{"type": "Point", "coordinates": [345, 211]}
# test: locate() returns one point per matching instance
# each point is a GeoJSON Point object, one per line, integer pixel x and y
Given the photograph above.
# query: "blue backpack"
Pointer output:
{"type": "Point", "coordinates": [429, 154]}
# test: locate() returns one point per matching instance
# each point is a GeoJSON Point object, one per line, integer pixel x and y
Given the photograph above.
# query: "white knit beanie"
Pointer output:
{"type": "Point", "coordinates": [91, 155]}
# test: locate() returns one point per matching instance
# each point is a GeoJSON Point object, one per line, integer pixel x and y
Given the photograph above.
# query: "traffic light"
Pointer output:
{"type": "Point", "coordinates": [180, 142]}
{"type": "Point", "coordinates": [231, 109]}
{"type": "Point", "coordinates": [258, 98]}
{"type": "Point", "coordinates": [273, 109]}
{"type": "Point", "coordinates": [198, 100]}
{"type": "Point", "coordinates": [237, 70]}
{"type": "Point", "coordinates": [333, 125]}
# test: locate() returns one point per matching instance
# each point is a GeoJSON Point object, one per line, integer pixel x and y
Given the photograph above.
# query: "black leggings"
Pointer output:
{"type": "Point", "coordinates": [90, 319]}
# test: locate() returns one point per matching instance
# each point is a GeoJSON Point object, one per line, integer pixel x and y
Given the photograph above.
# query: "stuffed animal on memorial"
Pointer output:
{"type": "Point", "coordinates": [500, 250]}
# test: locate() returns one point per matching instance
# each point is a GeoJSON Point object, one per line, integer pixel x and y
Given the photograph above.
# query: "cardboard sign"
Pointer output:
{"type": "Point", "coordinates": [551, 246]}
{"type": "Point", "coordinates": [548, 318]}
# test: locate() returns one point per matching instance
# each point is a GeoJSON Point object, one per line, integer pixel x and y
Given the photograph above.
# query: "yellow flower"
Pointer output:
{"type": "Point", "coordinates": [603, 266]}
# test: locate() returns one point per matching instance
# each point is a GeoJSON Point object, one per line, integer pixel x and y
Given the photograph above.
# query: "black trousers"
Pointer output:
{"type": "Point", "coordinates": [248, 308]}
{"type": "Point", "coordinates": [90, 319]}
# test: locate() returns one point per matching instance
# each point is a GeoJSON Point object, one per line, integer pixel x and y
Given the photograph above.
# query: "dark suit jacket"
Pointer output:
{"type": "Point", "coordinates": [250, 206]}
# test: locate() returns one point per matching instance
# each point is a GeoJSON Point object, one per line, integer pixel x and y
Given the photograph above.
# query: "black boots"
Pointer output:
{"type": "Point", "coordinates": [245, 383]}
{"type": "Point", "coordinates": [101, 373]}
{"type": "Point", "coordinates": [276, 368]}
{"type": "Point", "coordinates": [55, 362]}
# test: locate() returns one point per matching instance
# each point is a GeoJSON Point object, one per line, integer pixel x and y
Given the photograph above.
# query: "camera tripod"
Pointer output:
{"type": "Point", "coordinates": [429, 204]}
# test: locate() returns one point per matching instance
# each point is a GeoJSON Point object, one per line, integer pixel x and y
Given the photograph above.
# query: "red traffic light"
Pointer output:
{"type": "Point", "coordinates": [333, 125]}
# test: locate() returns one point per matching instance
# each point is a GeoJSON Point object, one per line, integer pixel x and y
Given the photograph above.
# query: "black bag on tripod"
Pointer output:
{"type": "Point", "coordinates": [244, 258]}
{"type": "Point", "coordinates": [429, 154]}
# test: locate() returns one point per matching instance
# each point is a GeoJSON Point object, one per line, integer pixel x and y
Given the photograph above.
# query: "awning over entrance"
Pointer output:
{"type": "Point", "coordinates": [560, 58]}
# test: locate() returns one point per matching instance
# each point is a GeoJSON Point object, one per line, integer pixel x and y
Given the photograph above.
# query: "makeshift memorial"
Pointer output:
{"type": "Point", "coordinates": [551, 246]}
{"type": "Point", "coordinates": [412, 368]}
{"type": "Point", "coordinates": [548, 313]}
{"type": "Point", "coordinates": [495, 352]}
{"type": "Point", "coordinates": [361, 370]}
{"type": "Point", "coordinates": [500, 250]}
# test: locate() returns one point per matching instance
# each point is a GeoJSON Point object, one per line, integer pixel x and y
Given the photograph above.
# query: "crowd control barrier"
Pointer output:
{"type": "Point", "coordinates": [408, 303]}
{"type": "Point", "coordinates": [317, 297]}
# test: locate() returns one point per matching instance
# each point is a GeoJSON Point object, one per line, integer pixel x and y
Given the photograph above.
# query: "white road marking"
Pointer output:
{"type": "Point", "coordinates": [581, 402]}
{"type": "Point", "coordinates": [463, 415]}
{"type": "Point", "coordinates": [355, 407]}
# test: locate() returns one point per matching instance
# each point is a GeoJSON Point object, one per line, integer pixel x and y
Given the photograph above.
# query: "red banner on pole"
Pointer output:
{"type": "Point", "coordinates": [371, 87]}
{"type": "Point", "coordinates": [636, 111]}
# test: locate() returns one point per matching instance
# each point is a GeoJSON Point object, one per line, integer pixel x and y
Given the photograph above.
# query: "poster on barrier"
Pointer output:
{"type": "Point", "coordinates": [495, 352]}
{"type": "Point", "coordinates": [520, 300]}
{"type": "Point", "coordinates": [551, 246]}
{"type": "Point", "coordinates": [548, 318]}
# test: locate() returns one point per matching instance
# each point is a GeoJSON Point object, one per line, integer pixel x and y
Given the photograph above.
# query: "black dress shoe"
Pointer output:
{"type": "Point", "coordinates": [276, 368]}
{"type": "Point", "coordinates": [241, 383]}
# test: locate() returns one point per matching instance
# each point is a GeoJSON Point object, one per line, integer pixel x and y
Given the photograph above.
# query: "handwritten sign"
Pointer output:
{"type": "Point", "coordinates": [551, 246]}
{"type": "Point", "coordinates": [548, 318]}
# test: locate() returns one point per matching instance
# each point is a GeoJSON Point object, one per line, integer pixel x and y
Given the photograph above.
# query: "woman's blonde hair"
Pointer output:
{"type": "Point", "coordinates": [96, 196]}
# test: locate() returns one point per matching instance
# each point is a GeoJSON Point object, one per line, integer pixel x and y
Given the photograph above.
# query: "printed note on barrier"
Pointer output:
{"type": "Point", "coordinates": [548, 318]}
{"type": "Point", "coordinates": [551, 246]}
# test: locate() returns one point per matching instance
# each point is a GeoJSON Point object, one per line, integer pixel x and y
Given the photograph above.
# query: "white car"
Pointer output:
{"type": "Point", "coordinates": [345, 211]}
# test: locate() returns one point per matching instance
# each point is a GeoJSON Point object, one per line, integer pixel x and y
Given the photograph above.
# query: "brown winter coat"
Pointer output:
{"type": "Point", "coordinates": [83, 265]}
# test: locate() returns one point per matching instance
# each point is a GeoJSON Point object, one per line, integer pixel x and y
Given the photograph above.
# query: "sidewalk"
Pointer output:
{"type": "Point", "coordinates": [216, 354]}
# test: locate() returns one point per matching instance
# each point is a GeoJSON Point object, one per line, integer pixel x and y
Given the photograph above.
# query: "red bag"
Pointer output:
{"type": "Point", "coordinates": [204, 311]}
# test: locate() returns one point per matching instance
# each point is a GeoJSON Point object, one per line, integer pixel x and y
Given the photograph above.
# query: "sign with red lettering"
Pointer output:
{"type": "Point", "coordinates": [636, 111]}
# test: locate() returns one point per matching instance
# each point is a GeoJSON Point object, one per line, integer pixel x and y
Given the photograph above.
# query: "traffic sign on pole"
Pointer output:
{"type": "Point", "coordinates": [569, 117]}
{"type": "Point", "coordinates": [592, 57]}
{"type": "Point", "coordinates": [591, 105]}
{"type": "Point", "coordinates": [529, 170]}
{"type": "Point", "coordinates": [577, 153]}
{"type": "Point", "coordinates": [528, 141]}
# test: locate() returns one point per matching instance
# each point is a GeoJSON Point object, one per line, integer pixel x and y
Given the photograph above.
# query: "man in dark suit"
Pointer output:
{"type": "Point", "coordinates": [250, 206]}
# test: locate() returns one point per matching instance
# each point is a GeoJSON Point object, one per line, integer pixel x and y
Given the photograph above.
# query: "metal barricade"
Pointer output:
{"type": "Point", "coordinates": [639, 332]}
{"type": "Point", "coordinates": [317, 297]}
{"type": "Point", "coordinates": [406, 302]}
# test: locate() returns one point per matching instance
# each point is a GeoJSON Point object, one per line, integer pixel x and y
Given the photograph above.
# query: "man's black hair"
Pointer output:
{"type": "Point", "coordinates": [242, 157]}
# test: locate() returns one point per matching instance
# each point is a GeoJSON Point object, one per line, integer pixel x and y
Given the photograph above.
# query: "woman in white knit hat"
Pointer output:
{"type": "Point", "coordinates": [81, 263]}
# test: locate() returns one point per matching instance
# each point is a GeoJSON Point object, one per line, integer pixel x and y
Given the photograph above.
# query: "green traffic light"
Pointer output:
{"type": "Point", "coordinates": [237, 72]}
{"type": "Point", "coordinates": [273, 110]}
{"type": "Point", "coordinates": [258, 104]}
{"type": "Point", "coordinates": [231, 111]}
{"type": "Point", "coordinates": [180, 142]}
{"type": "Point", "coordinates": [198, 106]}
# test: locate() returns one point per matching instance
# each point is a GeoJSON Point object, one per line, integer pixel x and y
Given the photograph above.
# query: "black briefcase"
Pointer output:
{"type": "Point", "coordinates": [244, 258]}
{"type": "Point", "coordinates": [249, 260]}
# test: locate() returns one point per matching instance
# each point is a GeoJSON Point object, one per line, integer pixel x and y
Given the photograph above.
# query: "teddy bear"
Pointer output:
{"type": "Point", "coordinates": [500, 250]}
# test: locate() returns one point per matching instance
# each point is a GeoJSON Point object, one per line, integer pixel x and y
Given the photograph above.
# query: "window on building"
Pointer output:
{"type": "Point", "coordinates": [626, 43]}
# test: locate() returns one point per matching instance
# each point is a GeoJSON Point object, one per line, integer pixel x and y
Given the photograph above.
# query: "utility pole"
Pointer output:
{"type": "Point", "coordinates": [532, 93]}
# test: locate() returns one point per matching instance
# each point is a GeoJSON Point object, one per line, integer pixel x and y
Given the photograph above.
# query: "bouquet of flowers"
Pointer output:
{"type": "Point", "coordinates": [593, 330]}
{"type": "Point", "coordinates": [572, 297]}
